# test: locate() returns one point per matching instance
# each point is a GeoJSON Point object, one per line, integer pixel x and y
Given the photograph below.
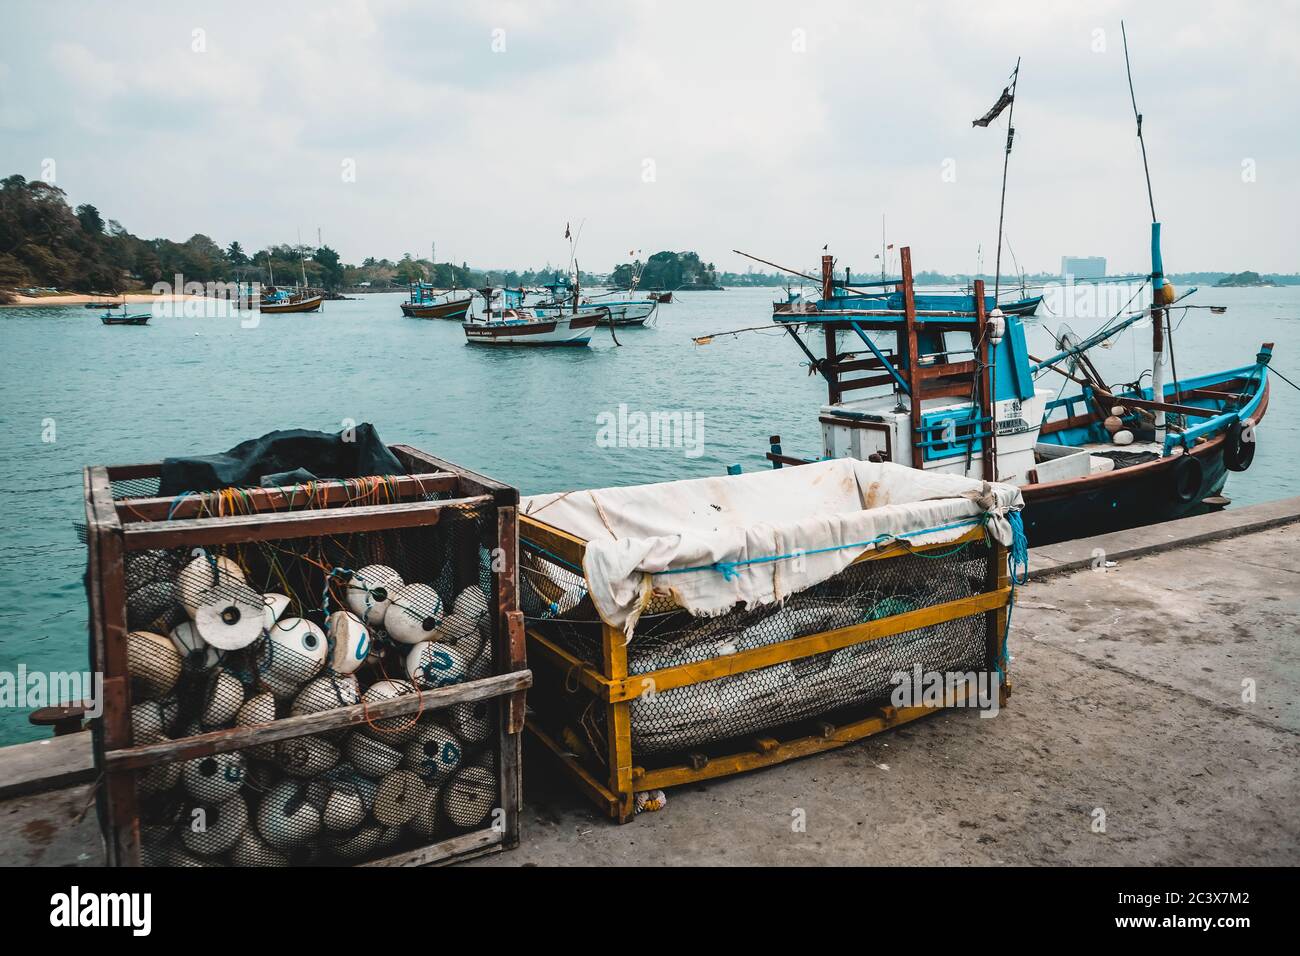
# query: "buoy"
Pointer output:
{"type": "Point", "coordinates": [286, 818]}
{"type": "Point", "coordinates": [370, 590]}
{"type": "Point", "coordinates": [469, 797]}
{"type": "Point", "coordinates": [306, 756]}
{"type": "Point", "coordinates": [372, 757]}
{"type": "Point", "coordinates": [326, 693]}
{"type": "Point", "coordinates": [157, 779]}
{"type": "Point", "coordinates": [431, 665]}
{"type": "Point", "coordinates": [413, 613]}
{"type": "Point", "coordinates": [196, 653]}
{"type": "Point", "coordinates": [392, 730]}
{"type": "Point", "coordinates": [1118, 410]}
{"type": "Point", "coordinates": [1122, 437]}
{"type": "Point", "coordinates": [435, 753]}
{"type": "Point", "coordinates": [201, 575]}
{"type": "Point", "coordinates": [223, 695]}
{"type": "Point", "coordinates": [425, 821]}
{"type": "Point", "coordinates": [348, 804]}
{"type": "Point", "coordinates": [367, 842]}
{"type": "Point", "coordinates": [294, 650]}
{"type": "Point", "coordinates": [456, 628]}
{"type": "Point", "coordinates": [471, 603]}
{"type": "Point", "coordinates": [398, 797]}
{"type": "Point", "coordinates": [251, 850]}
{"type": "Point", "coordinates": [472, 722]}
{"type": "Point", "coordinates": [228, 616]}
{"type": "Point", "coordinates": [349, 641]}
{"type": "Point", "coordinates": [274, 606]}
{"type": "Point", "coordinates": [151, 719]}
{"type": "Point", "coordinates": [258, 709]}
{"type": "Point", "coordinates": [1113, 424]}
{"type": "Point", "coordinates": [153, 663]}
{"type": "Point", "coordinates": [217, 829]}
{"type": "Point", "coordinates": [214, 779]}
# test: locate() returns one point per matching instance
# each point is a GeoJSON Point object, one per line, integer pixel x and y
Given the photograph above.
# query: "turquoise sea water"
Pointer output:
{"type": "Point", "coordinates": [186, 385]}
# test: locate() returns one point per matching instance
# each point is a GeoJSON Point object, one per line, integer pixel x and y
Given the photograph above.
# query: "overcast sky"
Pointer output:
{"type": "Point", "coordinates": [774, 127]}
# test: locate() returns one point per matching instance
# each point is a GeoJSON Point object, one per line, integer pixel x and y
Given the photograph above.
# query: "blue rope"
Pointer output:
{"type": "Point", "coordinates": [176, 502]}
{"type": "Point", "coordinates": [1019, 567]}
{"type": "Point", "coordinates": [728, 568]}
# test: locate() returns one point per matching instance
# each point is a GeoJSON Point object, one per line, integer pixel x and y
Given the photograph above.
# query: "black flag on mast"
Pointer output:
{"type": "Point", "coordinates": [1003, 102]}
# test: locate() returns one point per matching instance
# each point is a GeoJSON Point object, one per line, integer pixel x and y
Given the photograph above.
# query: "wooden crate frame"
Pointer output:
{"type": "Point", "coordinates": [610, 682]}
{"type": "Point", "coordinates": [114, 528]}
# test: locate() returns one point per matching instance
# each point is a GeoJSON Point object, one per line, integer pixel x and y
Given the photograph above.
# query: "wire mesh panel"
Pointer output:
{"type": "Point", "coordinates": [402, 598]}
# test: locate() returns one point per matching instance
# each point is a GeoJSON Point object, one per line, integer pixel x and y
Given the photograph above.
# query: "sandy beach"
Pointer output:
{"type": "Point", "coordinates": [78, 298]}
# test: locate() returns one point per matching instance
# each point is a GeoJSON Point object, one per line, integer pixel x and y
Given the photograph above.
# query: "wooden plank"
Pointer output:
{"type": "Point", "coordinates": [913, 378]}
{"type": "Point", "coordinates": [789, 750]}
{"type": "Point", "coordinates": [241, 529]}
{"type": "Point", "coordinates": [560, 543]}
{"type": "Point", "coordinates": [123, 836]}
{"type": "Point", "coordinates": [238, 738]}
{"type": "Point", "coordinates": [948, 368]}
{"type": "Point", "coordinates": [627, 689]}
{"type": "Point", "coordinates": [594, 789]}
{"type": "Point", "coordinates": [543, 648]}
{"type": "Point", "coordinates": [984, 381]}
{"type": "Point", "coordinates": [321, 495]}
{"type": "Point", "coordinates": [1191, 411]}
{"type": "Point", "coordinates": [618, 715]}
{"type": "Point", "coordinates": [448, 851]}
{"type": "Point", "coordinates": [868, 382]}
{"type": "Point", "coordinates": [417, 460]}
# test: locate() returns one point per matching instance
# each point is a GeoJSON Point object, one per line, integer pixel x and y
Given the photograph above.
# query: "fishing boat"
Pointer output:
{"type": "Point", "coordinates": [277, 301]}
{"type": "Point", "coordinates": [424, 302]}
{"type": "Point", "coordinates": [950, 386]}
{"type": "Point", "coordinates": [958, 392]}
{"type": "Point", "coordinates": [514, 324]}
{"type": "Point", "coordinates": [112, 318]}
{"type": "Point", "coordinates": [105, 305]}
{"type": "Point", "coordinates": [625, 310]}
{"type": "Point", "coordinates": [663, 298]}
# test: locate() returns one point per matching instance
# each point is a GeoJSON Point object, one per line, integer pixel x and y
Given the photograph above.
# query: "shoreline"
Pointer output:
{"type": "Point", "coordinates": [85, 298]}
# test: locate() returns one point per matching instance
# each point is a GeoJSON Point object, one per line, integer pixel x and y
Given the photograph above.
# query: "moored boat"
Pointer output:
{"type": "Point", "coordinates": [113, 318]}
{"type": "Point", "coordinates": [513, 324]}
{"type": "Point", "coordinates": [282, 301]}
{"type": "Point", "coordinates": [426, 303]}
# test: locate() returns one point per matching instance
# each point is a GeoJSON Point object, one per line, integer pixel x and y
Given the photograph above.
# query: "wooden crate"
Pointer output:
{"type": "Point", "coordinates": [605, 764]}
{"type": "Point", "coordinates": [436, 501]}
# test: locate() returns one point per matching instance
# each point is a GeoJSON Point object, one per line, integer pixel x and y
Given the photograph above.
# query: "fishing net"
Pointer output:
{"type": "Point", "coordinates": [554, 599]}
{"type": "Point", "coordinates": [347, 797]}
{"type": "Point", "coordinates": [249, 633]}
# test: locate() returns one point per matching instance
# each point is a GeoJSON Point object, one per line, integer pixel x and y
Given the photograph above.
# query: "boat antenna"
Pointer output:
{"type": "Point", "coordinates": [1006, 161]}
{"type": "Point", "coordinates": [1146, 168]}
{"type": "Point", "coordinates": [1162, 294]}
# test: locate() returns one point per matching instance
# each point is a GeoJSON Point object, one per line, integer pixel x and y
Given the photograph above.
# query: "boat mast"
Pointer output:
{"type": "Point", "coordinates": [1006, 161]}
{"type": "Point", "coordinates": [1161, 292]}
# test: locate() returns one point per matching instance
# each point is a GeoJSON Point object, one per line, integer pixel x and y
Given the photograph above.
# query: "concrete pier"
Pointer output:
{"type": "Point", "coordinates": [1154, 720]}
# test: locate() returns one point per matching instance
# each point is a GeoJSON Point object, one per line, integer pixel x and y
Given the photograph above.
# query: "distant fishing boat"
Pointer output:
{"type": "Point", "coordinates": [279, 301]}
{"type": "Point", "coordinates": [663, 298]}
{"type": "Point", "coordinates": [623, 312]}
{"type": "Point", "coordinates": [112, 318]}
{"type": "Point", "coordinates": [513, 324]}
{"type": "Point", "coordinates": [426, 303]}
{"type": "Point", "coordinates": [105, 305]}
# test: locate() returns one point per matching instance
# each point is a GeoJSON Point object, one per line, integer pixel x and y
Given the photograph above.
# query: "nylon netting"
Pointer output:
{"type": "Point", "coordinates": [247, 634]}
{"type": "Point", "coordinates": [554, 599]}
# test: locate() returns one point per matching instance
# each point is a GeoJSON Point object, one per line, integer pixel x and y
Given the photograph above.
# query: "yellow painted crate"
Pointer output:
{"type": "Point", "coordinates": [596, 699]}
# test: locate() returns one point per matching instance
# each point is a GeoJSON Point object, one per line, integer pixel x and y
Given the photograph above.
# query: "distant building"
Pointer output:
{"type": "Point", "coordinates": [1083, 267]}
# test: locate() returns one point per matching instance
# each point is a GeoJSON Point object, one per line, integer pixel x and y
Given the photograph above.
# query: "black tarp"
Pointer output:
{"type": "Point", "coordinates": [287, 457]}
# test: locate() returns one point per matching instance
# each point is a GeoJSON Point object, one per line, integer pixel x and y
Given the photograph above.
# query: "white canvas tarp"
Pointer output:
{"type": "Point", "coordinates": [757, 538]}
